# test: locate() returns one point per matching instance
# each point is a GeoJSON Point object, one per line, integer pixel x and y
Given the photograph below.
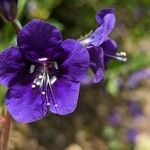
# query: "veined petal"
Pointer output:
{"type": "Point", "coordinates": [77, 63]}
{"type": "Point", "coordinates": [109, 22]}
{"type": "Point", "coordinates": [110, 48]}
{"type": "Point", "coordinates": [98, 36]}
{"type": "Point", "coordinates": [37, 37]}
{"type": "Point", "coordinates": [25, 104]}
{"type": "Point", "coordinates": [106, 20]}
{"type": "Point", "coordinates": [102, 13]}
{"type": "Point", "coordinates": [10, 64]}
{"type": "Point", "coordinates": [97, 63]}
{"type": "Point", "coordinates": [66, 96]}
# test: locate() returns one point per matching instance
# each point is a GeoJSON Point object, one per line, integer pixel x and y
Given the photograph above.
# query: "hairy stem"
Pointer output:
{"type": "Point", "coordinates": [16, 25]}
{"type": "Point", "coordinates": [5, 132]}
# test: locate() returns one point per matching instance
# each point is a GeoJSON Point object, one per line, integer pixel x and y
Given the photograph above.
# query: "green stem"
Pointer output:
{"type": "Point", "coordinates": [16, 25]}
{"type": "Point", "coordinates": [7, 123]}
{"type": "Point", "coordinates": [5, 132]}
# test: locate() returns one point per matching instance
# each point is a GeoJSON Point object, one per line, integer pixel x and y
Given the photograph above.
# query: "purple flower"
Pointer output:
{"type": "Point", "coordinates": [43, 72]}
{"type": "Point", "coordinates": [101, 48]}
{"type": "Point", "coordinates": [134, 108]}
{"type": "Point", "coordinates": [114, 118]}
{"type": "Point", "coordinates": [8, 9]}
{"type": "Point", "coordinates": [138, 76]}
{"type": "Point", "coordinates": [131, 135]}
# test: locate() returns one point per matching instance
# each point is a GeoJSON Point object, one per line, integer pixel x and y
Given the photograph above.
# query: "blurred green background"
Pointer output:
{"type": "Point", "coordinates": [112, 117]}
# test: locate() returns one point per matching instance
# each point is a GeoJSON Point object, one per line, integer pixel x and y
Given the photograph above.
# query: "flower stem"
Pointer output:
{"type": "Point", "coordinates": [16, 25]}
{"type": "Point", "coordinates": [5, 132]}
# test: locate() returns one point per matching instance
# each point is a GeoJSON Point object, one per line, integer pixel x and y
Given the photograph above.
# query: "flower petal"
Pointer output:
{"type": "Point", "coordinates": [77, 63]}
{"type": "Point", "coordinates": [110, 48]}
{"type": "Point", "coordinates": [107, 20]}
{"type": "Point", "coordinates": [97, 63]}
{"type": "Point", "coordinates": [36, 37]}
{"type": "Point", "coordinates": [98, 36]}
{"type": "Point", "coordinates": [10, 64]}
{"type": "Point", "coordinates": [66, 96]}
{"type": "Point", "coordinates": [102, 13]}
{"type": "Point", "coordinates": [25, 104]}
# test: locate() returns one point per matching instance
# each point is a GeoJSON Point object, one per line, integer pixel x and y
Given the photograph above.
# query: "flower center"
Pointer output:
{"type": "Point", "coordinates": [45, 78]}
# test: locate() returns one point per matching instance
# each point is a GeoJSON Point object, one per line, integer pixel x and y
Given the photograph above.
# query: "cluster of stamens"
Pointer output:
{"type": "Point", "coordinates": [121, 56]}
{"type": "Point", "coordinates": [44, 80]}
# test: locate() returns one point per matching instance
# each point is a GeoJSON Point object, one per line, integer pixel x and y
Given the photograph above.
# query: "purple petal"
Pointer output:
{"type": "Point", "coordinates": [66, 95]}
{"type": "Point", "coordinates": [114, 118]}
{"type": "Point", "coordinates": [107, 20]}
{"type": "Point", "coordinates": [77, 63]}
{"type": "Point", "coordinates": [102, 13]}
{"type": "Point", "coordinates": [98, 36]}
{"type": "Point", "coordinates": [110, 48]}
{"type": "Point", "coordinates": [10, 64]}
{"type": "Point", "coordinates": [25, 104]}
{"type": "Point", "coordinates": [87, 81]}
{"type": "Point", "coordinates": [132, 135]}
{"type": "Point", "coordinates": [36, 37]}
{"type": "Point", "coordinates": [97, 63]}
{"type": "Point", "coordinates": [135, 108]}
{"type": "Point", "coordinates": [138, 76]}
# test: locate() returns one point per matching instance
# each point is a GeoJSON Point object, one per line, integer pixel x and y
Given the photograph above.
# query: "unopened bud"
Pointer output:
{"type": "Point", "coordinates": [8, 9]}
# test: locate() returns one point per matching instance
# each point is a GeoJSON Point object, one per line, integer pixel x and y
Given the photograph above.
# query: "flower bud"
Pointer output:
{"type": "Point", "coordinates": [8, 9]}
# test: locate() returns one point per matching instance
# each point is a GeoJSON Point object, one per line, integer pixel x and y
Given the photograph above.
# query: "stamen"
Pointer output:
{"type": "Point", "coordinates": [33, 86]}
{"type": "Point", "coordinates": [53, 79]}
{"type": "Point", "coordinates": [56, 105]}
{"type": "Point", "coordinates": [45, 82]}
{"type": "Point", "coordinates": [43, 59]}
{"type": "Point", "coordinates": [56, 65]}
{"type": "Point", "coordinates": [32, 68]}
{"type": "Point", "coordinates": [43, 93]}
{"type": "Point", "coordinates": [51, 90]}
{"type": "Point", "coordinates": [122, 54]}
{"type": "Point", "coordinates": [40, 76]}
{"type": "Point", "coordinates": [118, 57]}
{"type": "Point", "coordinates": [38, 83]}
{"type": "Point", "coordinates": [48, 104]}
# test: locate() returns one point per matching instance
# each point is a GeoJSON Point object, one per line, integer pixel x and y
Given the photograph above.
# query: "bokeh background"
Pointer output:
{"type": "Point", "coordinates": [113, 115]}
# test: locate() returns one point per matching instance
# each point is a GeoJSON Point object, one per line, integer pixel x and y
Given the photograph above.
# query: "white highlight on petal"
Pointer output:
{"type": "Point", "coordinates": [32, 69]}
